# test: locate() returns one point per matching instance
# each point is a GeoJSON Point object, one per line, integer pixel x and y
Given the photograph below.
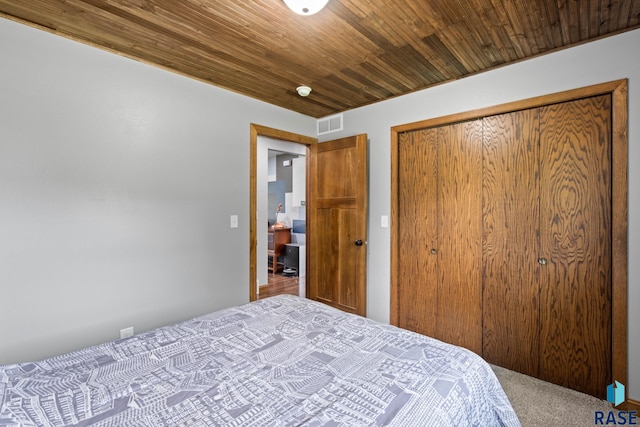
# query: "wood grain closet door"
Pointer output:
{"type": "Point", "coordinates": [460, 234]}
{"type": "Point", "coordinates": [440, 197]}
{"type": "Point", "coordinates": [511, 243]}
{"type": "Point", "coordinates": [418, 231]}
{"type": "Point", "coordinates": [575, 297]}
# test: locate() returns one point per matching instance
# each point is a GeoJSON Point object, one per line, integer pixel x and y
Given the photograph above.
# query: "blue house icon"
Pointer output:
{"type": "Point", "coordinates": [615, 393]}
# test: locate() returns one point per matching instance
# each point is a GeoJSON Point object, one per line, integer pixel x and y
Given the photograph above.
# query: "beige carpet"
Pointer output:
{"type": "Point", "coordinates": [539, 403]}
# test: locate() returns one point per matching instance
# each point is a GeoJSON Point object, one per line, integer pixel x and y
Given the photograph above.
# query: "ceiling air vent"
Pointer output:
{"type": "Point", "coordinates": [330, 124]}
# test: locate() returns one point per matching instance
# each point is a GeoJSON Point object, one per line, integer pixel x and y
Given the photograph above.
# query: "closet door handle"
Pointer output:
{"type": "Point", "coordinates": [358, 242]}
{"type": "Point", "coordinates": [542, 261]}
{"type": "Point", "coordinates": [434, 251]}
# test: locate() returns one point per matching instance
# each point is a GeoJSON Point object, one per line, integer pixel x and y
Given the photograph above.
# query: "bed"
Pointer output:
{"type": "Point", "coordinates": [281, 361]}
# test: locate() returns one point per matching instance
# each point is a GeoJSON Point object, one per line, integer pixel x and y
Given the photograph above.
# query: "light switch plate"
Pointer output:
{"type": "Point", "coordinates": [384, 221]}
{"type": "Point", "coordinates": [234, 221]}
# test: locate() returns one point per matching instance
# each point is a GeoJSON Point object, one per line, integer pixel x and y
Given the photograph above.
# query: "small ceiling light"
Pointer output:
{"type": "Point", "coordinates": [303, 90]}
{"type": "Point", "coordinates": [306, 7]}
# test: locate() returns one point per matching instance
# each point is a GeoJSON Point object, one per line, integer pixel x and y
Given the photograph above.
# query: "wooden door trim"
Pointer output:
{"type": "Point", "coordinates": [619, 244]}
{"type": "Point", "coordinates": [362, 205]}
{"type": "Point", "coordinates": [618, 90]}
{"type": "Point", "coordinates": [256, 131]}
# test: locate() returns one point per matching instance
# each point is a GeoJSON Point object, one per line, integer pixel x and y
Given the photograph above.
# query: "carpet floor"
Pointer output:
{"type": "Point", "coordinates": [539, 403]}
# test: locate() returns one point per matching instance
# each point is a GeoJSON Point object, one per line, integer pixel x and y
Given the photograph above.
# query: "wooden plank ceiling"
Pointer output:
{"type": "Point", "coordinates": [352, 53]}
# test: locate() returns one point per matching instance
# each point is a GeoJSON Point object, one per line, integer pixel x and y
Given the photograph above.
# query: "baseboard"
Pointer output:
{"type": "Point", "coordinates": [632, 405]}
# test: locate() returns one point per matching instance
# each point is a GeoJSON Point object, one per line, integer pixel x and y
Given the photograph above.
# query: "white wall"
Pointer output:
{"type": "Point", "coordinates": [601, 61]}
{"type": "Point", "coordinates": [117, 180]}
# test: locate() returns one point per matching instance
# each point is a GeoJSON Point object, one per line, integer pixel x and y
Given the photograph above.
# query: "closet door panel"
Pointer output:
{"type": "Point", "coordinates": [418, 231]}
{"type": "Point", "coordinates": [459, 249]}
{"type": "Point", "coordinates": [511, 241]}
{"type": "Point", "coordinates": [576, 242]}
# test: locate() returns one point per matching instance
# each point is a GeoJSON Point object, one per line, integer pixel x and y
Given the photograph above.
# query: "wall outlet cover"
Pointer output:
{"type": "Point", "coordinates": [126, 332]}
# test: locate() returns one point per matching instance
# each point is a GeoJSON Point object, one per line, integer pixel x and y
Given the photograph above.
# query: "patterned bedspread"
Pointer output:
{"type": "Point", "coordinates": [282, 361]}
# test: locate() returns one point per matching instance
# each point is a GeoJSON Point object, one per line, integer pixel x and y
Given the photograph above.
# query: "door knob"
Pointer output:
{"type": "Point", "coordinates": [358, 242]}
{"type": "Point", "coordinates": [434, 251]}
{"type": "Point", "coordinates": [542, 261]}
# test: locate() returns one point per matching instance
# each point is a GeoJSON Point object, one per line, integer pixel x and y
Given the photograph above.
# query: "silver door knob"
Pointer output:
{"type": "Point", "coordinates": [434, 251]}
{"type": "Point", "coordinates": [542, 261]}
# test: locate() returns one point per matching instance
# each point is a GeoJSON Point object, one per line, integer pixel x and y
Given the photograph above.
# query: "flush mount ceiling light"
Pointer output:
{"type": "Point", "coordinates": [303, 90]}
{"type": "Point", "coordinates": [306, 7]}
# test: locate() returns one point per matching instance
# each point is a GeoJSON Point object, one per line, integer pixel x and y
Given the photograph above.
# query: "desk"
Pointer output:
{"type": "Point", "coordinates": [276, 241]}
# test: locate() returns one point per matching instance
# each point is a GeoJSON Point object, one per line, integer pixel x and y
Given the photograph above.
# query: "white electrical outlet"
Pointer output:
{"type": "Point", "coordinates": [126, 332]}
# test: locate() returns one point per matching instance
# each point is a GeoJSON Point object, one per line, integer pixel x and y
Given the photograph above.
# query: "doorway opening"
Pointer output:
{"type": "Point", "coordinates": [282, 268]}
{"type": "Point", "coordinates": [278, 206]}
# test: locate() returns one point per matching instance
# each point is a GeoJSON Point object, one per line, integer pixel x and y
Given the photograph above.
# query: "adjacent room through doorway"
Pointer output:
{"type": "Point", "coordinates": [281, 215]}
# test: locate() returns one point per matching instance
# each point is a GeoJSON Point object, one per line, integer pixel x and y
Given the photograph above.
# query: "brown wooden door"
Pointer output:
{"type": "Point", "coordinates": [547, 243]}
{"type": "Point", "coordinates": [511, 218]}
{"type": "Point", "coordinates": [460, 234]}
{"type": "Point", "coordinates": [418, 231]}
{"type": "Point", "coordinates": [575, 231]}
{"type": "Point", "coordinates": [440, 230]}
{"type": "Point", "coordinates": [338, 223]}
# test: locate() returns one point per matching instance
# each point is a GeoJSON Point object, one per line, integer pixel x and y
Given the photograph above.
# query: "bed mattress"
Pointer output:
{"type": "Point", "coordinates": [281, 361]}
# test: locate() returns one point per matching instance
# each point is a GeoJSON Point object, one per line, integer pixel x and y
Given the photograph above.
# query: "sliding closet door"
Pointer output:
{"type": "Point", "coordinates": [511, 219]}
{"type": "Point", "coordinates": [575, 291]}
{"type": "Point", "coordinates": [440, 234]}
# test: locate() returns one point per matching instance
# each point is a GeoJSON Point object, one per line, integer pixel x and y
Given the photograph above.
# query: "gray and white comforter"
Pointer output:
{"type": "Point", "coordinates": [282, 361]}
